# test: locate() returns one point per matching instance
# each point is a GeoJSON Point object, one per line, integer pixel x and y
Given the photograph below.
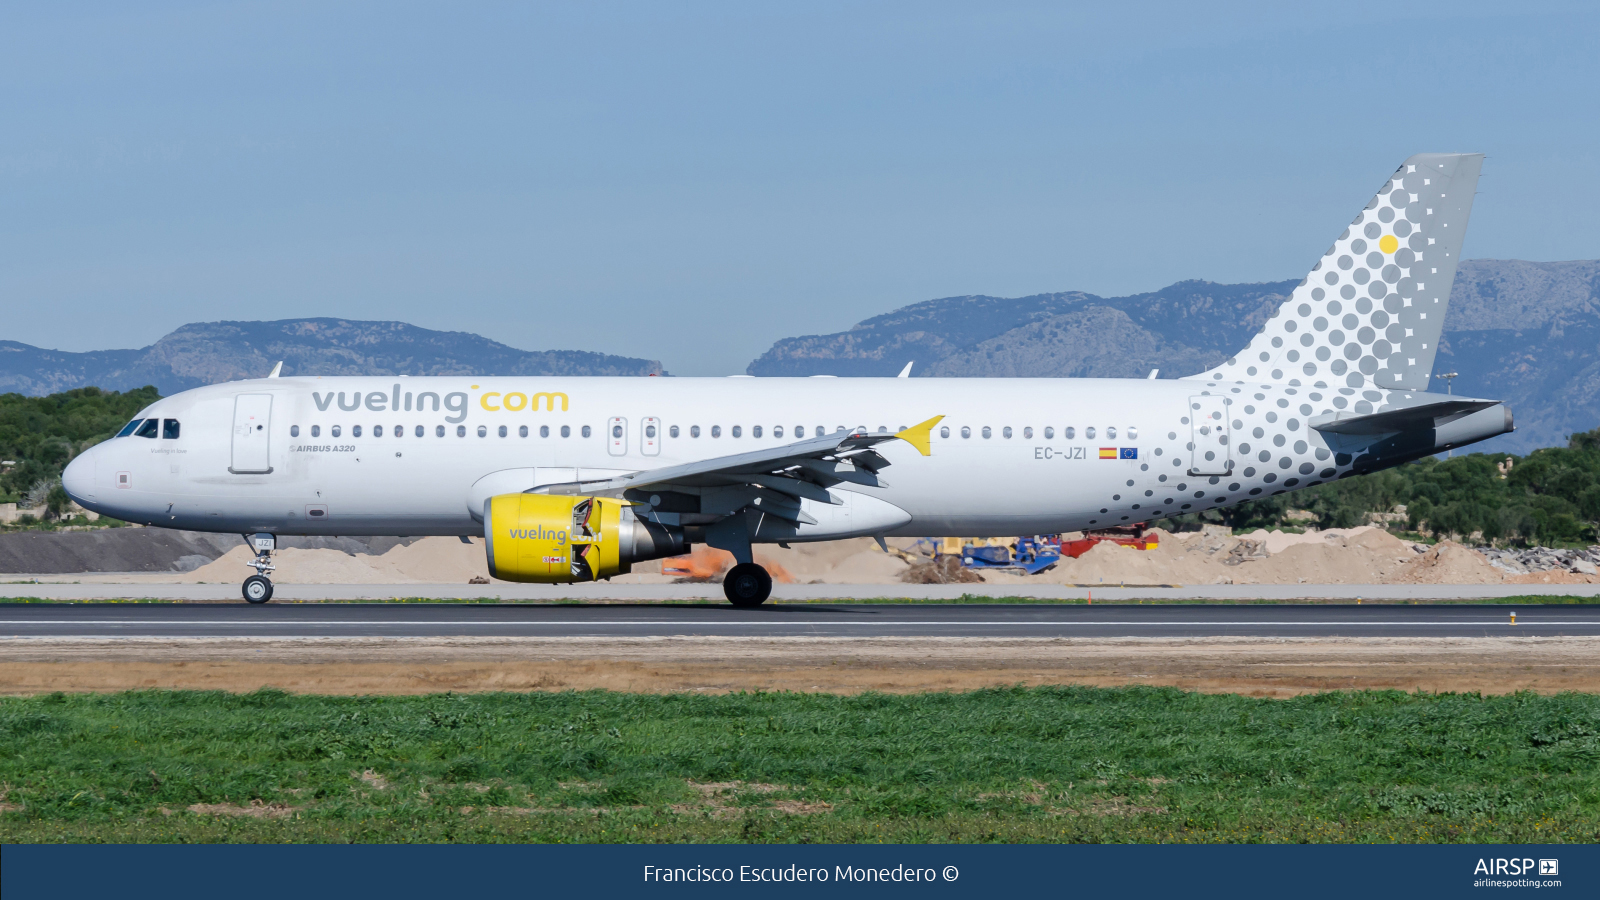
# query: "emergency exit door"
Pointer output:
{"type": "Point", "coordinates": [252, 434]}
{"type": "Point", "coordinates": [617, 436]}
{"type": "Point", "coordinates": [650, 436]}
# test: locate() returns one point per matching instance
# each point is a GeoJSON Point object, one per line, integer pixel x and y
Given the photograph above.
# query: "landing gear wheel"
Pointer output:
{"type": "Point", "coordinates": [747, 585]}
{"type": "Point", "coordinates": [257, 589]}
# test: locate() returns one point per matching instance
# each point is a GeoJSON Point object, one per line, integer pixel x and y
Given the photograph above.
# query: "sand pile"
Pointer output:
{"type": "Point", "coordinates": [433, 560]}
{"type": "Point", "coordinates": [1447, 562]}
{"type": "Point", "coordinates": [1364, 555]}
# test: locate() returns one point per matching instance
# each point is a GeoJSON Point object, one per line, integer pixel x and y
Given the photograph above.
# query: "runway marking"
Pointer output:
{"type": "Point", "coordinates": [192, 623]}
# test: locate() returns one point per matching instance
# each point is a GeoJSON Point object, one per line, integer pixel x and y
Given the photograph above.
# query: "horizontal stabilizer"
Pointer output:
{"type": "Point", "coordinates": [1405, 418]}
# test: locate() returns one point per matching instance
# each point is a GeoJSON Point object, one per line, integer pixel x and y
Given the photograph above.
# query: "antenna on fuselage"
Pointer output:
{"type": "Point", "coordinates": [906, 372]}
{"type": "Point", "coordinates": [276, 370]}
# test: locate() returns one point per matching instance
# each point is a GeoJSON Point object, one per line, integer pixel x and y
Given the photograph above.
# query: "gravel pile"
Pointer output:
{"type": "Point", "coordinates": [147, 549]}
{"type": "Point", "coordinates": [1544, 559]}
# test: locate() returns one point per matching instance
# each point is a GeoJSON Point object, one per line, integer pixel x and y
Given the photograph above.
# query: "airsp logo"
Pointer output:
{"type": "Point", "coordinates": [1515, 867]}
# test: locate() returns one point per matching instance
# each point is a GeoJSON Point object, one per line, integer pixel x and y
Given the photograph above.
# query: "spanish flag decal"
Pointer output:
{"type": "Point", "coordinates": [1108, 453]}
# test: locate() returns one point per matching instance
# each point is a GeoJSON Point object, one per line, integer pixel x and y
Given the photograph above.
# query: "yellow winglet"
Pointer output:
{"type": "Point", "coordinates": [920, 436]}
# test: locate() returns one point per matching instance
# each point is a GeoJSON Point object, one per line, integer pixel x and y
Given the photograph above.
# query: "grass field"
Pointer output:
{"type": "Point", "coordinates": [1048, 764]}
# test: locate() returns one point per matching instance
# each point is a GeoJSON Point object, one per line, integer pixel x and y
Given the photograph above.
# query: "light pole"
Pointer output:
{"type": "Point", "coordinates": [1449, 390]}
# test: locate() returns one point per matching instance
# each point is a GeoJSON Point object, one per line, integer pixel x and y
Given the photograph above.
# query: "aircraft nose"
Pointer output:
{"type": "Point", "coordinates": [79, 477]}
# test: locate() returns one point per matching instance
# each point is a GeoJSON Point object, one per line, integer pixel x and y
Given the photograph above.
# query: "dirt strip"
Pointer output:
{"type": "Point", "coordinates": [1255, 667]}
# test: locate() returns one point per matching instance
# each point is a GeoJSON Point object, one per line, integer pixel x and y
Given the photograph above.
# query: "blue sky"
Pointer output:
{"type": "Point", "coordinates": [689, 182]}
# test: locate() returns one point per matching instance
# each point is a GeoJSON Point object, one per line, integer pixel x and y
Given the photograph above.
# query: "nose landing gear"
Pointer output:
{"type": "Point", "coordinates": [258, 587]}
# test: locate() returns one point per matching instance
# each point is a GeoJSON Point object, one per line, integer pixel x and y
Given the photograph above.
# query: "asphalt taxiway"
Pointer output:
{"type": "Point", "coordinates": [195, 620]}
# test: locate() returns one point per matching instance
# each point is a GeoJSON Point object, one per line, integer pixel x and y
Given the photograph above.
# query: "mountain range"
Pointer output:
{"type": "Point", "coordinates": [1527, 333]}
{"type": "Point", "coordinates": [212, 352]}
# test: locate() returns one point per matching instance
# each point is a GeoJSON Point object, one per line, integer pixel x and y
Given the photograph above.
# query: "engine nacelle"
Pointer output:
{"type": "Point", "coordinates": [558, 540]}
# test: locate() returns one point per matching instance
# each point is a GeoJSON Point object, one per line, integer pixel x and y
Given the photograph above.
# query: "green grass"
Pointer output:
{"type": "Point", "coordinates": [1043, 764]}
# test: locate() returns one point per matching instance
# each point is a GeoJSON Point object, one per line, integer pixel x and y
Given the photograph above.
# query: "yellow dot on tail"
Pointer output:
{"type": "Point", "coordinates": [1389, 244]}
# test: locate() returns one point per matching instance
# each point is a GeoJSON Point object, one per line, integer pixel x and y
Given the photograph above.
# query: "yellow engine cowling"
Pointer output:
{"type": "Point", "coordinates": [559, 540]}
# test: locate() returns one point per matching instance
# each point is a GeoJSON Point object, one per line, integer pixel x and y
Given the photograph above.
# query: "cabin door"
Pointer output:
{"type": "Point", "coordinates": [252, 434]}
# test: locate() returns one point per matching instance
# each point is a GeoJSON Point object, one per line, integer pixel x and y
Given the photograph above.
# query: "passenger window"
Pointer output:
{"type": "Point", "coordinates": [502, 431]}
{"type": "Point", "coordinates": [1088, 433]}
{"type": "Point", "coordinates": [1049, 432]}
{"type": "Point", "coordinates": [673, 431]}
{"type": "Point", "coordinates": [737, 431]}
{"type": "Point", "coordinates": [755, 431]}
{"type": "Point", "coordinates": [1005, 432]}
{"type": "Point", "coordinates": [461, 431]}
{"type": "Point", "coordinates": [483, 431]}
{"type": "Point", "coordinates": [586, 431]}
{"type": "Point", "coordinates": [1133, 433]}
{"type": "Point", "coordinates": [777, 431]}
{"type": "Point", "coordinates": [799, 431]}
{"type": "Point", "coordinates": [649, 431]}
{"type": "Point", "coordinates": [566, 431]}
{"type": "Point", "coordinates": [294, 431]}
{"type": "Point", "coordinates": [522, 431]}
{"type": "Point", "coordinates": [438, 431]}
{"type": "Point", "coordinates": [316, 431]}
{"type": "Point", "coordinates": [616, 431]}
{"type": "Point", "coordinates": [883, 429]}
{"type": "Point", "coordinates": [986, 432]}
{"type": "Point", "coordinates": [1111, 433]}
{"type": "Point", "coordinates": [966, 431]}
{"type": "Point", "coordinates": [399, 431]}
{"type": "Point", "coordinates": [1027, 432]}
{"type": "Point", "coordinates": [694, 431]}
{"type": "Point", "coordinates": [148, 429]}
{"type": "Point", "coordinates": [1069, 432]}
{"type": "Point", "coordinates": [334, 431]}
{"type": "Point", "coordinates": [944, 432]}
{"type": "Point", "coordinates": [422, 431]}
{"type": "Point", "coordinates": [129, 428]}
{"type": "Point", "coordinates": [716, 431]}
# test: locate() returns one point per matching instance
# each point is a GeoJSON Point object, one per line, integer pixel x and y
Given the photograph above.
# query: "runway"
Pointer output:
{"type": "Point", "coordinates": [193, 620]}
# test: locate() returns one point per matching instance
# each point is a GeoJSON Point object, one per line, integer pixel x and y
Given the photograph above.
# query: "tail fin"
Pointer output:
{"type": "Point", "coordinates": [1372, 309]}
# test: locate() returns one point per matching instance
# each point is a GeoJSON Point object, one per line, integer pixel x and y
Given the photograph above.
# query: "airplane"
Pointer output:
{"type": "Point", "coordinates": [574, 479]}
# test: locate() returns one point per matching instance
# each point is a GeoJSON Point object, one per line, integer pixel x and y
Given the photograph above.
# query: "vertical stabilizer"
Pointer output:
{"type": "Point", "coordinates": [1371, 312]}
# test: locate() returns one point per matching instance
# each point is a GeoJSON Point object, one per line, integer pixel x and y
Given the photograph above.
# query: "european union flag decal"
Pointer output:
{"type": "Point", "coordinates": [1130, 453]}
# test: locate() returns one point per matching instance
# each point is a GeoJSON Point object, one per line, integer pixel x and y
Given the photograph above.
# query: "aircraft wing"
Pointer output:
{"type": "Point", "coordinates": [1429, 414]}
{"type": "Point", "coordinates": [801, 470]}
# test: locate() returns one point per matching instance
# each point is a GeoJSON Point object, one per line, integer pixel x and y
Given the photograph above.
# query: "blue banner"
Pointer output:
{"type": "Point", "coordinates": [244, 872]}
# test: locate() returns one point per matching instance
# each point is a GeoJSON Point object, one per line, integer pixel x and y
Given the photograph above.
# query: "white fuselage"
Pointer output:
{"type": "Point", "coordinates": [1011, 456]}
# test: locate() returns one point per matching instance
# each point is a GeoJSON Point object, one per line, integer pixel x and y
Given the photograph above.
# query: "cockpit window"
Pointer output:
{"type": "Point", "coordinates": [148, 429]}
{"type": "Point", "coordinates": [169, 429]}
{"type": "Point", "coordinates": [128, 428]}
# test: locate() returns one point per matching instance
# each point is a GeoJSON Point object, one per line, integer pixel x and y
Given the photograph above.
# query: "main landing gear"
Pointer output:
{"type": "Point", "coordinates": [258, 587]}
{"type": "Point", "coordinates": [747, 585]}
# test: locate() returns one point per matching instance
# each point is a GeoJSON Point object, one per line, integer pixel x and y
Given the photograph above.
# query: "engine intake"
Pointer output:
{"type": "Point", "coordinates": [559, 540]}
